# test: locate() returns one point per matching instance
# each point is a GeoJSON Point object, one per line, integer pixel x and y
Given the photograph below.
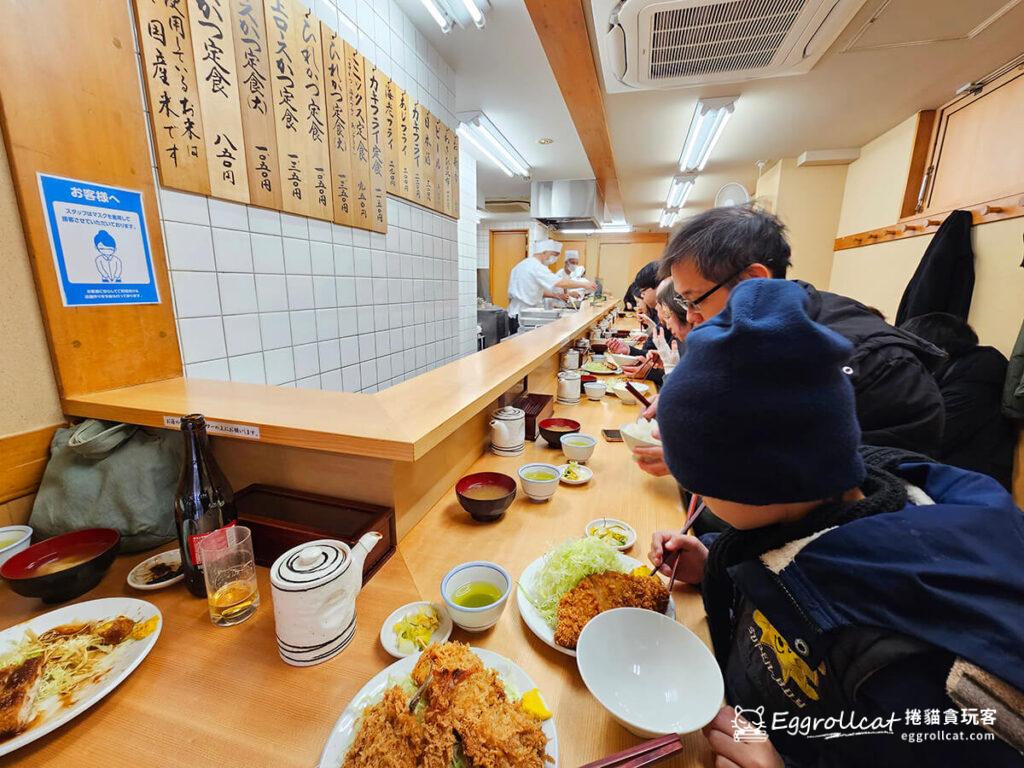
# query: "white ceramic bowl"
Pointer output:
{"type": "Point", "coordinates": [20, 537]}
{"type": "Point", "coordinates": [476, 619]}
{"type": "Point", "coordinates": [595, 390]}
{"type": "Point", "coordinates": [578, 447]}
{"type": "Point", "coordinates": [539, 490]}
{"type": "Point", "coordinates": [652, 674]}
{"type": "Point", "coordinates": [622, 359]}
{"type": "Point", "coordinates": [625, 395]}
{"type": "Point", "coordinates": [638, 433]}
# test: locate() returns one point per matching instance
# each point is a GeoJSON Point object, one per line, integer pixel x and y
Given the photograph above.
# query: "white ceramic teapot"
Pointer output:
{"type": "Point", "coordinates": [508, 431]}
{"type": "Point", "coordinates": [314, 586]}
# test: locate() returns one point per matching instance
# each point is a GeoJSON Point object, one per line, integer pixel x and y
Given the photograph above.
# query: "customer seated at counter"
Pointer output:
{"type": "Point", "coordinates": [668, 335]}
{"type": "Point", "coordinates": [851, 580]}
{"type": "Point", "coordinates": [531, 281]}
{"type": "Point", "coordinates": [899, 404]}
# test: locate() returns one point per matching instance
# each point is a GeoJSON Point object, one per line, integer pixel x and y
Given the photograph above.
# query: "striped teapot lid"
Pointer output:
{"type": "Point", "coordinates": [310, 565]}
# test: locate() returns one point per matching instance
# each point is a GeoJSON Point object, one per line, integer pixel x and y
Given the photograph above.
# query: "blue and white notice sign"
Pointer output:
{"type": "Point", "coordinates": [100, 243]}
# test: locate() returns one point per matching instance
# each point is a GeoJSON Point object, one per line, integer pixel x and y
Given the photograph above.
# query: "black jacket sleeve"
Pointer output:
{"type": "Point", "coordinates": [899, 404]}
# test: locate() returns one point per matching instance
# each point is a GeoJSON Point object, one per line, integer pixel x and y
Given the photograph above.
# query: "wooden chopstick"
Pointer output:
{"type": "Point", "coordinates": [637, 750]}
{"type": "Point", "coordinates": [650, 758]}
{"type": "Point", "coordinates": [636, 393]}
{"type": "Point", "coordinates": [691, 517]}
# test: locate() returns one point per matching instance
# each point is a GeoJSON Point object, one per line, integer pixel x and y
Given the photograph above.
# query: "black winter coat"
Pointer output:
{"type": "Point", "coordinates": [899, 404]}
{"type": "Point", "coordinates": [977, 436]}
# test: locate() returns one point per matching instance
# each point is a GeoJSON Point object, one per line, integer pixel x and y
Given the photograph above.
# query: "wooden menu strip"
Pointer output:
{"type": "Point", "coordinates": [339, 140]}
{"type": "Point", "coordinates": [359, 132]}
{"type": "Point", "coordinates": [213, 45]}
{"type": "Point", "coordinates": [404, 148]}
{"type": "Point", "coordinates": [376, 89]}
{"type": "Point", "coordinates": [926, 224]}
{"type": "Point", "coordinates": [392, 160]}
{"type": "Point", "coordinates": [174, 111]}
{"type": "Point", "coordinates": [252, 65]}
{"type": "Point", "coordinates": [314, 114]}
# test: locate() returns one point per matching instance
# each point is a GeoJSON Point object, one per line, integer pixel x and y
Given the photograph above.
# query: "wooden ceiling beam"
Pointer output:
{"type": "Point", "coordinates": [562, 28]}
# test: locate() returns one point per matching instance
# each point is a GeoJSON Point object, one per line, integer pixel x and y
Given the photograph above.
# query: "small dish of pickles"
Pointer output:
{"type": "Point", "coordinates": [615, 533]}
{"type": "Point", "coordinates": [574, 473]}
{"type": "Point", "coordinates": [413, 627]}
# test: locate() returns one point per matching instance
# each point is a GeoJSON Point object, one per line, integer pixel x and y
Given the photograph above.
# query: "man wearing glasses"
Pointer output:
{"type": "Point", "coordinates": [898, 401]}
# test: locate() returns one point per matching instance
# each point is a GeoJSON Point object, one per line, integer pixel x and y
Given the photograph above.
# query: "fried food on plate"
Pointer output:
{"type": "Point", "coordinates": [467, 714]}
{"type": "Point", "coordinates": [602, 592]}
{"type": "Point", "coordinates": [18, 686]}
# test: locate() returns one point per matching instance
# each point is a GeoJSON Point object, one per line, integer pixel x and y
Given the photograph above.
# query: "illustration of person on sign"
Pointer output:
{"type": "Point", "coordinates": [107, 263]}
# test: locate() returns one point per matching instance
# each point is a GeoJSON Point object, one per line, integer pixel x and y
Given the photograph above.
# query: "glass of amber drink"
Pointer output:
{"type": "Point", "coordinates": [230, 573]}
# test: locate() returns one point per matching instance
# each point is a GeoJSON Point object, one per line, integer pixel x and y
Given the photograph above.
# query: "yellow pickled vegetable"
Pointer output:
{"type": "Point", "coordinates": [641, 570]}
{"type": "Point", "coordinates": [415, 630]}
{"type": "Point", "coordinates": [534, 705]}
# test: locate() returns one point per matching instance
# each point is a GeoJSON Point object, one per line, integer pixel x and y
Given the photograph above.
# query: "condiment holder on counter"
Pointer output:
{"type": "Point", "coordinates": [508, 431]}
{"type": "Point", "coordinates": [568, 387]}
{"type": "Point", "coordinates": [314, 587]}
{"type": "Point", "coordinates": [571, 360]}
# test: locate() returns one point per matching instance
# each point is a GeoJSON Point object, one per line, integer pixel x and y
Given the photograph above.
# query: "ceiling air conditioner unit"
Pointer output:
{"type": "Point", "coordinates": [649, 44]}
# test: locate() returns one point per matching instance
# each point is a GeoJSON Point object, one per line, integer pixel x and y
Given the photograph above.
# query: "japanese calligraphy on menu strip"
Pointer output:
{"type": "Point", "coordinates": [252, 65]}
{"type": "Point", "coordinates": [315, 116]}
{"type": "Point", "coordinates": [337, 123]}
{"type": "Point", "coordinates": [359, 133]}
{"type": "Point", "coordinates": [173, 95]}
{"type": "Point", "coordinates": [258, 101]}
{"type": "Point", "coordinates": [376, 88]}
{"type": "Point", "coordinates": [213, 51]}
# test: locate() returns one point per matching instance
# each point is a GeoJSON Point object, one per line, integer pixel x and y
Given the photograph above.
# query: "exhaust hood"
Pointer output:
{"type": "Point", "coordinates": [567, 204]}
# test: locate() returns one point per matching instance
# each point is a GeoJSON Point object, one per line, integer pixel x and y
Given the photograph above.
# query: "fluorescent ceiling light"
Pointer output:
{"type": "Point", "coordinates": [680, 190]}
{"type": "Point", "coordinates": [439, 15]}
{"type": "Point", "coordinates": [709, 119]}
{"type": "Point", "coordinates": [668, 218]}
{"type": "Point", "coordinates": [610, 229]}
{"type": "Point", "coordinates": [474, 13]}
{"type": "Point", "coordinates": [469, 135]}
{"type": "Point", "coordinates": [488, 139]}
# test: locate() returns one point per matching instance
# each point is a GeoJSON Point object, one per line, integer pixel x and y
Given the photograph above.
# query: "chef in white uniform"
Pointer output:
{"type": "Point", "coordinates": [530, 281]}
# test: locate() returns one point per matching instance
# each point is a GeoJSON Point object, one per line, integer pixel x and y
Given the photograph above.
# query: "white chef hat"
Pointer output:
{"type": "Point", "coordinates": [541, 246]}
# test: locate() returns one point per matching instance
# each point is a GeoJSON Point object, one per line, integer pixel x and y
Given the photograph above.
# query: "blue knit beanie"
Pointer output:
{"type": "Point", "coordinates": [758, 410]}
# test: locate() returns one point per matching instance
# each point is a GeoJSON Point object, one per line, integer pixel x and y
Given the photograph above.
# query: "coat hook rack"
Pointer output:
{"type": "Point", "coordinates": [933, 222]}
{"type": "Point", "coordinates": [992, 209]}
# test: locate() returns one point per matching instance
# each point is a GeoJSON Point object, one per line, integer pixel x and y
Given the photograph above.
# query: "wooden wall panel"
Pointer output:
{"type": "Point", "coordinates": [376, 88]}
{"type": "Point", "coordinates": [43, 109]}
{"type": "Point", "coordinates": [23, 458]}
{"type": "Point", "coordinates": [314, 115]}
{"type": "Point", "coordinates": [416, 164]}
{"type": "Point", "coordinates": [391, 127]}
{"type": "Point", "coordinates": [448, 150]}
{"type": "Point", "coordinates": [213, 45]}
{"type": "Point", "coordinates": [166, 42]}
{"type": "Point", "coordinates": [337, 124]}
{"type": "Point", "coordinates": [293, 161]}
{"type": "Point", "coordinates": [359, 131]}
{"type": "Point", "coordinates": [427, 155]}
{"type": "Point", "coordinates": [252, 65]}
{"type": "Point", "coordinates": [439, 161]}
{"type": "Point", "coordinates": [405, 161]}
{"type": "Point", "coordinates": [455, 176]}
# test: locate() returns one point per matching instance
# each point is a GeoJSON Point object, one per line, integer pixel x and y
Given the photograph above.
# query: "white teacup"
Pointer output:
{"type": "Point", "coordinates": [476, 619]}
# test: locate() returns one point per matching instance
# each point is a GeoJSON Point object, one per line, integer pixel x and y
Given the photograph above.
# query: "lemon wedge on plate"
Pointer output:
{"type": "Point", "coordinates": [640, 570]}
{"type": "Point", "coordinates": [533, 704]}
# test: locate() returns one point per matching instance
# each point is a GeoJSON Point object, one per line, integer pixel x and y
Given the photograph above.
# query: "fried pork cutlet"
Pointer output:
{"type": "Point", "coordinates": [18, 686]}
{"type": "Point", "coordinates": [496, 733]}
{"type": "Point", "coordinates": [388, 736]}
{"type": "Point", "coordinates": [602, 592]}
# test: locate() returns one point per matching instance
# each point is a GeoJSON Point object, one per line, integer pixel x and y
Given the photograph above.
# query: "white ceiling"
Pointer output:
{"type": "Point", "coordinates": [502, 70]}
{"type": "Point", "coordinates": [849, 98]}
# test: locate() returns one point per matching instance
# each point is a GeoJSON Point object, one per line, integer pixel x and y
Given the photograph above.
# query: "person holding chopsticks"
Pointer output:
{"type": "Point", "coordinates": [854, 585]}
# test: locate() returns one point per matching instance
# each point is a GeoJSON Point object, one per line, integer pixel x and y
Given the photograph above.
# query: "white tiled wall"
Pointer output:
{"type": "Point", "coordinates": [268, 297]}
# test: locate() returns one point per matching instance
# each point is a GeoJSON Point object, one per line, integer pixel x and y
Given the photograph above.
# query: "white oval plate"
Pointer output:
{"type": "Point", "coordinates": [586, 473]}
{"type": "Point", "coordinates": [630, 530]}
{"type": "Point", "coordinates": [137, 574]}
{"type": "Point", "coordinates": [387, 634]}
{"type": "Point", "coordinates": [123, 660]}
{"type": "Point", "coordinates": [536, 622]}
{"type": "Point", "coordinates": [344, 730]}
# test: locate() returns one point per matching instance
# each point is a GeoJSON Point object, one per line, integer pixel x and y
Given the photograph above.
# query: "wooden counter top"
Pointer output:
{"type": "Point", "coordinates": [210, 696]}
{"type": "Point", "coordinates": [403, 422]}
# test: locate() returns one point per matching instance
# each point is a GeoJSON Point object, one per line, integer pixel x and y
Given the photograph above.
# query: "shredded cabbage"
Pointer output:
{"type": "Point", "coordinates": [566, 566]}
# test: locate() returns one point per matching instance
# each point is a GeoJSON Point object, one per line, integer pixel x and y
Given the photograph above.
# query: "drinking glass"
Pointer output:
{"type": "Point", "coordinates": [230, 573]}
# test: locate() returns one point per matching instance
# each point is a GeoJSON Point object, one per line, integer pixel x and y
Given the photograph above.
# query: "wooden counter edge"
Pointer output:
{"type": "Point", "coordinates": [402, 423]}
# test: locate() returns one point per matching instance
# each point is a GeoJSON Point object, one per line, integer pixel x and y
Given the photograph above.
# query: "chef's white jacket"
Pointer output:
{"type": "Point", "coordinates": [527, 284]}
